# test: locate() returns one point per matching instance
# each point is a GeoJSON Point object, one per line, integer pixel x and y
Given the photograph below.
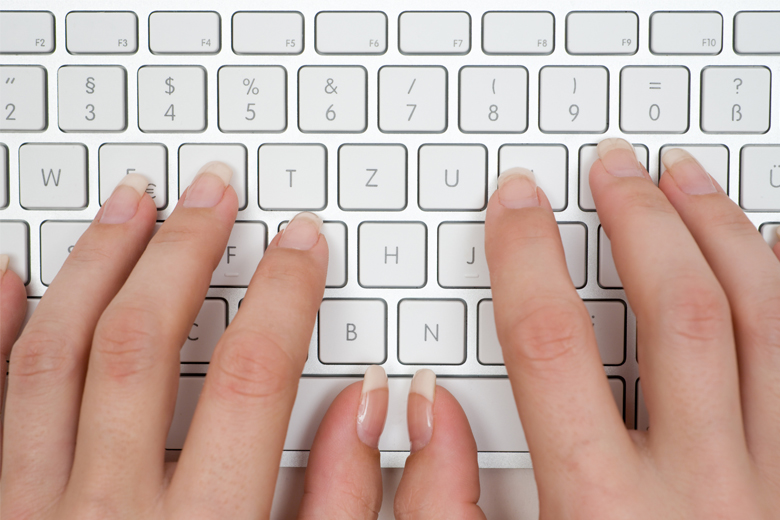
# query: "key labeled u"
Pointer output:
{"type": "Point", "coordinates": [447, 178]}
{"type": "Point", "coordinates": [774, 178]}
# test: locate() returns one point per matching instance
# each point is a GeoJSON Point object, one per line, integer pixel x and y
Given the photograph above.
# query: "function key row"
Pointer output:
{"type": "Point", "coordinates": [492, 99]}
{"type": "Point", "coordinates": [366, 32]}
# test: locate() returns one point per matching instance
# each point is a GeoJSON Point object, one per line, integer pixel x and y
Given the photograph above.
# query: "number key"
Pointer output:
{"type": "Point", "coordinates": [171, 99]}
{"type": "Point", "coordinates": [92, 99]}
{"type": "Point", "coordinates": [252, 99]}
{"type": "Point", "coordinates": [654, 99]}
{"type": "Point", "coordinates": [22, 98]}
{"type": "Point", "coordinates": [573, 99]}
{"type": "Point", "coordinates": [493, 99]}
{"type": "Point", "coordinates": [412, 99]}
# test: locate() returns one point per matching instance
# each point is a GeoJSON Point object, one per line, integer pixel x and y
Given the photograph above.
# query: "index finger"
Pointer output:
{"type": "Point", "coordinates": [241, 419]}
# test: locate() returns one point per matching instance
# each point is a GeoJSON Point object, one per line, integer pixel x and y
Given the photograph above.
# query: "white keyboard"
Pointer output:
{"type": "Point", "coordinates": [392, 120]}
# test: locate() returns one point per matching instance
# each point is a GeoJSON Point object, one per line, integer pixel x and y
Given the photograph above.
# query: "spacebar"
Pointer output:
{"type": "Point", "coordinates": [488, 403]}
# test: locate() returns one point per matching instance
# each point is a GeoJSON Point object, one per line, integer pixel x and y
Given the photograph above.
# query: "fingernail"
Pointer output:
{"type": "Point", "coordinates": [208, 186]}
{"type": "Point", "coordinates": [122, 205]}
{"type": "Point", "coordinates": [619, 158]}
{"type": "Point", "coordinates": [517, 189]}
{"type": "Point", "coordinates": [302, 232]}
{"type": "Point", "coordinates": [4, 260]}
{"type": "Point", "coordinates": [777, 232]}
{"type": "Point", "coordinates": [687, 172]}
{"type": "Point", "coordinates": [419, 408]}
{"type": "Point", "coordinates": [373, 406]}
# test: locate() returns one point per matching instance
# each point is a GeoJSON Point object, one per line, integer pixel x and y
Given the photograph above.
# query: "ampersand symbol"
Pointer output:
{"type": "Point", "coordinates": [330, 88]}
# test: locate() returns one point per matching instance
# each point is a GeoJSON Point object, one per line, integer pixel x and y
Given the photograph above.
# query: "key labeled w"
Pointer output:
{"type": "Point", "coordinates": [51, 176]}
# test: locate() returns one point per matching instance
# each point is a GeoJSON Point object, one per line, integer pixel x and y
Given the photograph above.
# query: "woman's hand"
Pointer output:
{"type": "Point", "coordinates": [93, 378]}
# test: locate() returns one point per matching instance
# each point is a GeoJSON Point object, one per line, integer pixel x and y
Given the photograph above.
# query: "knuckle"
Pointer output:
{"type": "Point", "coordinates": [125, 342]}
{"type": "Point", "coordinates": [252, 367]}
{"type": "Point", "coordinates": [554, 329]}
{"type": "Point", "coordinates": [41, 355]}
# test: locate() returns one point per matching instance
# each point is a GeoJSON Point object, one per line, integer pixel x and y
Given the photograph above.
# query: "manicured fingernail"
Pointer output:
{"type": "Point", "coordinates": [4, 260]}
{"type": "Point", "coordinates": [372, 411]}
{"type": "Point", "coordinates": [419, 408]}
{"type": "Point", "coordinates": [517, 189]}
{"type": "Point", "coordinates": [619, 158]}
{"type": "Point", "coordinates": [687, 172]}
{"type": "Point", "coordinates": [208, 186]}
{"type": "Point", "coordinates": [302, 232]}
{"type": "Point", "coordinates": [122, 205]}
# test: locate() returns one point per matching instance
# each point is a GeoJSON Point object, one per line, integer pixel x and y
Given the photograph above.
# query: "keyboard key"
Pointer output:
{"type": "Point", "coordinates": [453, 177]}
{"type": "Point", "coordinates": [549, 163]}
{"type": "Point", "coordinates": [494, 99]}
{"type": "Point", "coordinates": [351, 32]}
{"type": "Point", "coordinates": [698, 32]}
{"type": "Point", "coordinates": [714, 158]}
{"type": "Point", "coordinates": [735, 99]}
{"type": "Point", "coordinates": [575, 238]}
{"type": "Point", "coordinates": [92, 99]}
{"type": "Point", "coordinates": [432, 332]}
{"type": "Point", "coordinates": [353, 331]}
{"type": "Point", "coordinates": [372, 177]}
{"type": "Point", "coordinates": [57, 241]}
{"type": "Point", "coordinates": [392, 254]}
{"type": "Point", "coordinates": [53, 176]}
{"type": "Point", "coordinates": [336, 235]}
{"type": "Point", "coordinates": [654, 99]}
{"type": "Point", "coordinates": [588, 155]}
{"type": "Point", "coordinates": [434, 33]}
{"type": "Point", "coordinates": [608, 275]}
{"type": "Point", "coordinates": [756, 32]}
{"type": "Point", "coordinates": [26, 32]}
{"type": "Point", "coordinates": [180, 32]}
{"type": "Point", "coordinates": [769, 232]}
{"type": "Point", "coordinates": [609, 326]}
{"type": "Point", "coordinates": [292, 177]}
{"type": "Point", "coordinates": [518, 32]}
{"type": "Point", "coordinates": [268, 33]}
{"type": "Point", "coordinates": [244, 251]}
{"type": "Point", "coordinates": [3, 176]}
{"type": "Point", "coordinates": [252, 99]}
{"type": "Point", "coordinates": [192, 157]}
{"type": "Point", "coordinates": [332, 99]}
{"type": "Point", "coordinates": [602, 32]}
{"type": "Point", "coordinates": [101, 32]}
{"type": "Point", "coordinates": [150, 160]}
{"type": "Point", "coordinates": [171, 99]}
{"type": "Point", "coordinates": [23, 95]}
{"type": "Point", "coordinates": [412, 99]}
{"type": "Point", "coordinates": [462, 261]}
{"type": "Point", "coordinates": [573, 99]}
{"type": "Point", "coordinates": [206, 331]}
{"type": "Point", "coordinates": [15, 242]}
{"type": "Point", "coordinates": [760, 178]}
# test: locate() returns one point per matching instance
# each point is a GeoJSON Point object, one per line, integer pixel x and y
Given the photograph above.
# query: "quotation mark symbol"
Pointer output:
{"type": "Point", "coordinates": [10, 80]}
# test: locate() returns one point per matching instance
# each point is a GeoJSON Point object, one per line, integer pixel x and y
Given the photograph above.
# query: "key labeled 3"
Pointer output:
{"type": "Point", "coordinates": [332, 99]}
{"type": "Point", "coordinates": [92, 99]}
{"type": "Point", "coordinates": [171, 99]}
{"type": "Point", "coordinates": [654, 99]}
{"type": "Point", "coordinates": [493, 99]}
{"type": "Point", "coordinates": [735, 99]}
{"type": "Point", "coordinates": [573, 99]}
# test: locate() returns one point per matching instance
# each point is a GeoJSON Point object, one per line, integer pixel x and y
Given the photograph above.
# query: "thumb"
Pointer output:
{"type": "Point", "coordinates": [441, 477]}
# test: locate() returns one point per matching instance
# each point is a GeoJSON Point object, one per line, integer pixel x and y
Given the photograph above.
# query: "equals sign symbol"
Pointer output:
{"type": "Point", "coordinates": [10, 80]}
{"type": "Point", "coordinates": [655, 85]}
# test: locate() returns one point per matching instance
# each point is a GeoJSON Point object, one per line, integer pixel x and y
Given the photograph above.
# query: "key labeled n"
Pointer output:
{"type": "Point", "coordinates": [51, 177]}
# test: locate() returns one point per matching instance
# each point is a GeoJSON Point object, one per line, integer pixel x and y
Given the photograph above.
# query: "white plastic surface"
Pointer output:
{"type": "Point", "coordinates": [518, 32]}
{"type": "Point", "coordinates": [150, 160]}
{"type": "Point", "coordinates": [184, 32]}
{"type": "Point", "coordinates": [332, 99]}
{"type": "Point", "coordinates": [462, 261]}
{"type": "Point", "coordinates": [493, 99]}
{"type": "Point", "coordinates": [372, 177]}
{"type": "Point", "coordinates": [573, 99]}
{"type": "Point", "coordinates": [292, 177]}
{"type": "Point", "coordinates": [244, 251]}
{"type": "Point", "coordinates": [3, 176]}
{"type": "Point", "coordinates": [654, 99]}
{"type": "Point", "coordinates": [432, 332]}
{"type": "Point", "coordinates": [452, 177]}
{"type": "Point", "coordinates": [268, 33]}
{"type": "Point", "coordinates": [171, 99]}
{"type": "Point", "coordinates": [252, 99]}
{"type": "Point", "coordinates": [756, 32]}
{"type": "Point", "coordinates": [23, 98]}
{"type": "Point", "coordinates": [26, 32]}
{"type": "Point", "coordinates": [686, 33]}
{"type": "Point", "coordinates": [434, 33]}
{"type": "Point", "coordinates": [103, 32]}
{"type": "Point", "coordinates": [57, 241]}
{"type": "Point", "coordinates": [760, 178]}
{"type": "Point", "coordinates": [735, 99]}
{"type": "Point", "coordinates": [92, 99]}
{"type": "Point", "coordinates": [351, 32]}
{"type": "Point", "coordinates": [53, 176]}
{"type": "Point", "coordinates": [603, 32]}
{"type": "Point", "coordinates": [353, 331]}
{"type": "Point", "coordinates": [392, 254]}
{"type": "Point", "coordinates": [412, 99]}
{"type": "Point", "coordinates": [549, 164]}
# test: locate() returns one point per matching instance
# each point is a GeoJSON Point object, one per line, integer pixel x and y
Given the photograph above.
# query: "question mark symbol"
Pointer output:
{"type": "Point", "coordinates": [738, 84]}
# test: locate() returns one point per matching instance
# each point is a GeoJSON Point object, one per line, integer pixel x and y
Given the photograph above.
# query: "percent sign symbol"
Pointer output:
{"type": "Point", "coordinates": [250, 86]}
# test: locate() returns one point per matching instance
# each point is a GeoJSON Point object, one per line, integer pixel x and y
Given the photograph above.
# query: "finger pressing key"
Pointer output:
{"type": "Point", "coordinates": [48, 363]}
{"type": "Point", "coordinates": [241, 419]}
{"type": "Point", "coordinates": [133, 373]}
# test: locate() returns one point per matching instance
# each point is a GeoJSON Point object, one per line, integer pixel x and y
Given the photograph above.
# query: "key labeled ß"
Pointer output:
{"type": "Point", "coordinates": [735, 100]}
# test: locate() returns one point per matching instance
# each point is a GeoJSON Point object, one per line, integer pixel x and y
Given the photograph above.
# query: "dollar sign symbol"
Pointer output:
{"type": "Point", "coordinates": [90, 85]}
{"type": "Point", "coordinates": [171, 88]}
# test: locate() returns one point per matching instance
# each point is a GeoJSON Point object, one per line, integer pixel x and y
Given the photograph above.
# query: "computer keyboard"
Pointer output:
{"type": "Point", "coordinates": [391, 120]}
